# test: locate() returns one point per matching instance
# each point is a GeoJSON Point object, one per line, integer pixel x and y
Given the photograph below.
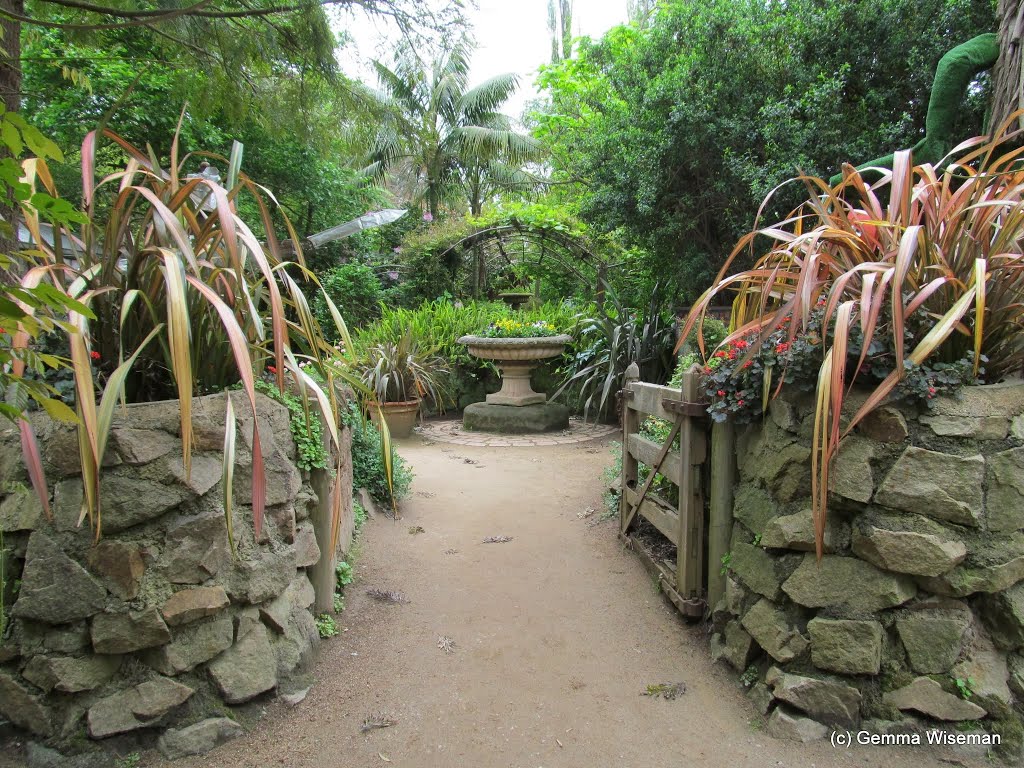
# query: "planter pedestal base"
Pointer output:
{"type": "Point", "coordinates": [515, 419]}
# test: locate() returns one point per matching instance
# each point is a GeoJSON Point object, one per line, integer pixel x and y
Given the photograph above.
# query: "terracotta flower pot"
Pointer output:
{"type": "Point", "coordinates": [400, 417]}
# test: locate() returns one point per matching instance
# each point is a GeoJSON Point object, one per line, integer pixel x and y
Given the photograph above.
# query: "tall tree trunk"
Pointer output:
{"type": "Point", "coordinates": [10, 92]}
{"type": "Point", "coordinates": [1008, 86]}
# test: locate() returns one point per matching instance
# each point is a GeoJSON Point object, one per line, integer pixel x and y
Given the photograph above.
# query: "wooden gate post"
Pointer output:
{"type": "Point", "coordinates": [723, 476]}
{"type": "Point", "coordinates": [690, 547]}
{"type": "Point", "coordinates": [630, 424]}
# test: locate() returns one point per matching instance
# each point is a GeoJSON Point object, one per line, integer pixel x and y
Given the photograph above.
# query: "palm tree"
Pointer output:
{"type": "Point", "coordinates": [441, 142]}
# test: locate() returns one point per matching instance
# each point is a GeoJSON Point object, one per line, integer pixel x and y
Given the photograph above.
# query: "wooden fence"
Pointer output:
{"type": "Point", "coordinates": [699, 531]}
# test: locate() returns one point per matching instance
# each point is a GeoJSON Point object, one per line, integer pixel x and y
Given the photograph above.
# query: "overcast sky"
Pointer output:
{"type": "Point", "coordinates": [511, 35]}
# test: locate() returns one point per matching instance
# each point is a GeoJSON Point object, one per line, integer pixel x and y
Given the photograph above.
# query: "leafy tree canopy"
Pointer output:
{"type": "Point", "coordinates": [673, 133]}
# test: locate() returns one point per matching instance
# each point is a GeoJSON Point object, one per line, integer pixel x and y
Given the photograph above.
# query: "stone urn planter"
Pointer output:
{"type": "Point", "coordinates": [516, 407]}
{"type": "Point", "coordinates": [400, 417]}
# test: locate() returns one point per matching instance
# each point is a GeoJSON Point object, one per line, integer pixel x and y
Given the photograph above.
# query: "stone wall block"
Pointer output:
{"type": "Point", "coordinates": [936, 485]}
{"type": "Point", "coordinates": [851, 476]}
{"type": "Point", "coordinates": [827, 701]}
{"type": "Point", "coordinates": [734, 645]}
{"type": "Point", "coordinates": [193, 644]}
{"type": "Point", "coordinates": [199, 738]}
{"type": "Point", "coordinates": [789, 725]}
{"type": "Point", "coordinates": [796, 531]}
{"type": "Point", "coordinates": [24, 709]}
{"type": "Point", "coordinates": [926, 696]}
{"type": "Point", "coordinates": [127, 632]}
{"type": "Point", "coordinates": [192, 604]}
{"type": "Point", "coordinates": [21, 511]}
{"type": "Point", "coordinates": [884, 425]}
{"type": "Point", "coordinates": [244, 671]}
{"type": "Point", "coordinates": [197, 549]}
{"type": "Point", "coordinates": [846, 646]}
{"type": "Point", "coordinates": [68, 674]}
{"type": "Point", "coordinates": [1004, 502]}
{"type": "Point", "coordinates": [54, 588]}
{"type": "Point", "coordinates": [753, 507]}
{"type": "Point", "coordinates": [933, 634]}
{"type": "Point", "coordinates": [778, 462]}
{"type": "Point", "coordinates": [120, 565]}
{"type": "Point", "coordinates": [774, 631]}
{"type": "Point", "coordinates": [847, 584]}
{"type": "Point", "coordinates": [982, 428]}
{"type": "Point", "coordinates": [907, 544]}
{"type": "Point", "coordinates": [138, 707]}
{"type": "Point", "coordinates": [994, 565]}
{"type": "Point", "coordinates": [1003, 614]}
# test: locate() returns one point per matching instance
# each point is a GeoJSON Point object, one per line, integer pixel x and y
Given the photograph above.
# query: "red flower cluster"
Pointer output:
{"type": "Point", "coordinates": [94, 355]}
{"type": "Point", "coordinates": [780, 348]}
{"type": "Point", "coordinates": [272, 369]}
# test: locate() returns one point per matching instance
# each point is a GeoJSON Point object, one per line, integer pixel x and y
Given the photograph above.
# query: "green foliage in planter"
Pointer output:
{"type": "Point", "coordinates": [368, 464]}
{"type": "Point", "coordinates": [326, 626]}
{"type": "Point", "coordinates": [306, 428]}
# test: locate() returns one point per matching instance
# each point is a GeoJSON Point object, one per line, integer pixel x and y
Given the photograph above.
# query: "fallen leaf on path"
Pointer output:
{"type": "Point", "coordinates": [586, 513]}
{"type": "Point", "coordinates": [377, 720]}
{"type": "Point", "coordinates": [468, 461]}
{"type": "Point", "coordinates": [451, 551]}
{"type": "Point", "coordinates": [383, 757]}
{"type": "Point", "coordinates": [558, 742]}
{"type": "Point", "coordinates": [387, 595]}
{"type": "Point", "coordinates": [414, 529]}
{"type": "Point", "coordinates": [667, 691]}
{"type": "Point", "coordinates": [497, 539]}
{"type": "Point", "coordinates": [446, 644]}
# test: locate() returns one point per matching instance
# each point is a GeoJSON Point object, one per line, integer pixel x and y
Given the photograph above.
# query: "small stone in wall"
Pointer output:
{"type": "Point", "coordinates": [791, 726]}
{"type": "Point", "coordinates": [908, 544]}
{"type": "Point", "coordinates": [926, 696]}
{"type": "Point", "coordinates": [68, 674]}
{"type": "Point", "coordinates": [1004, 502]}
{"type": "Point", "coordinates": [886, 425]}
{"type": "Point", "coordinates": [54, 588]}
{"type": "Point", "coordinates": [138, 707]}
{"type": "Point", "coordinates": [1003, 613]}
{"type": "Point", "coordinates": [127, 632]}
{"type": "Point", "coordinates": [978, 428]}
{"type": "Point", "coordinates": [933, 634]}
{"type": "Point", "coordinates": [192, 645]}
{"type": "Point", "coordinates": [986, 668]}
{"type": "Point", "coordinates": [21, 511]}
{"type": "Point", "coordinates": [734, 645]}
{"type": "Point", "coordinates": [992, 568]}
{"type": "Point", "coordinates": [827, 701]}
{"type": "Point", "coordinates": [935, 485]}
{"type": "Point", "coordinates": [846, 646]}
{"type": "Point", "coordinates": [828, 584]}
{"type": "Point", "coordinates": [796, 532]}
{"type": "Point", "coordinates": [192, 604]}
{"type": "Point", "coordinates": [120, 564]}
{"type": "Point", "coordinates": [141, 446]}
{"type": "Point", "coordinates": [851, 476]}
{"type": "Point", "coordinates": [754, 507]}
{"type": "Point", "coordinates": [307, 552]}
{"type": "Point", "coordinates": [197, 549]}
{"type": "Point", "coordinates": [22, 708]}
{"type": "Point", "coordinates": [198, 739]}
{"type": "Point", "coordinates": [245, 670]}
{"type": "Point", "coordinates": [774, 632]}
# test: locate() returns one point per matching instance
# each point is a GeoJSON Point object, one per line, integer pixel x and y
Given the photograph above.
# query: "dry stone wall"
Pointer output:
{"type": "Point", "coordinates": [157, 629]}
{"type": "Point", "coordinates": [921, 583]}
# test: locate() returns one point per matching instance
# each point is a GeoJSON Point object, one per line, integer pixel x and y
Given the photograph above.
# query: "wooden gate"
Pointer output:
{"type": "Point", "coordinates": [682, 524]}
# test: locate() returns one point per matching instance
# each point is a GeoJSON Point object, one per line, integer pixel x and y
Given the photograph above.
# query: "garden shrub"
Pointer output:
{"type": "Point", "coordinates": [355, 290]}
{"type": "Point", "coordinates": [368, 462]}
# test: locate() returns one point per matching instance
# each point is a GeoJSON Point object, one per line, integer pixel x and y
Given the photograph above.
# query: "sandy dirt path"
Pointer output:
{"type": "Point", "coordinates": [557, 632]}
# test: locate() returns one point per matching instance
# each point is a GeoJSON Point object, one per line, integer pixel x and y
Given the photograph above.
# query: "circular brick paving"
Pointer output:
{"type": "Point", "coordinates": [451, 431]}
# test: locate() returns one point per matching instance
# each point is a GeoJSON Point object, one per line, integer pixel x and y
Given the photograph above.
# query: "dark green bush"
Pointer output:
{"type": "Point", "coordinates": [355, 290]}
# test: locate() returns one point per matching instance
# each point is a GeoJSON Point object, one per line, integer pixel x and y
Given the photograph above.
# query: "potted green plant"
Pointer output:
{"type": "Point", "coordinates": [401, 375]}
